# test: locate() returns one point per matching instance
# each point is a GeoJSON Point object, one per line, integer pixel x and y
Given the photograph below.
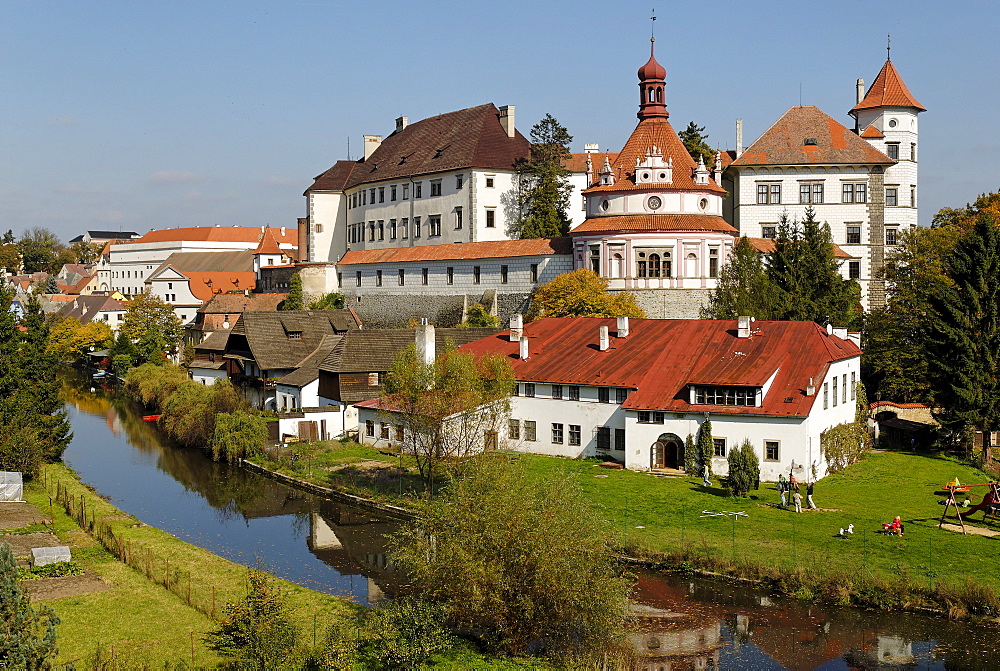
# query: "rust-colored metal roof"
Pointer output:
{"type": "Point", "coordinates": [491, 249]}
{"type": "Point", "coordinates": [653, 222]}
{"type": "Point", "coordinates": [888, 90]}
{"type": "Point", "coordinates": [661, 357]}
{"type": "Point", "coordinates": [766, 246]}
{"type": "Point", "coordinates": [784, 143]}
{"type": "Point", "coordinates": [654, 131]}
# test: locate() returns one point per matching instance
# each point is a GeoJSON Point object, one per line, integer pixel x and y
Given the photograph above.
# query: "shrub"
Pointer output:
{"type": "Point", "coordinates": [478, 317]}
{"type": "Point", "coordinates": [238, 435]}
{"type": "Point", "coordinates": [744, 469]}
{"type": "Point", "coordinates": [152, 384]}
{"type": "Point", "coordinates": [705, 446]}
{"type": "Point", "coordinates": [27, 636]}
{"type": "Point", "coordinates": [256, 631]}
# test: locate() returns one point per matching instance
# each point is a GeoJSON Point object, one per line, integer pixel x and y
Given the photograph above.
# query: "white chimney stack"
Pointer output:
{"type": "Point", "coordinates": [739, 137]}
{"type": "Point", "coordinates": [425, 343]}
{"type": "Point", "coordinates": [743, 326]}
{"type": "Point", "coordinates": [402, 122]}
{"type": "Point", "coordinates": [605, 339]}
{"type": "Point", "coordinates": [507, 119]}
{"type": "Point", "coordinates": [524, 348]}
{"type": "Point", "coordinates": [811, 388]}
{"type": "Point", "coordinates": [516, 327]}
{"type": "Point", "coordinates": [623, 327]}
{"type": "Point", "coordinates": [860, 90]}
{"type": "Point", "coordinates": [372, 142]}
{"type": "Point", "coordinates": [840, 332]}
{"type": "Point", "coordinates": [591, 148]}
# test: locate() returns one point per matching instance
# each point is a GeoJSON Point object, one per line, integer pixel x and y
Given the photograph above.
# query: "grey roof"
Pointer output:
{"type": "Point", "coordinates": [374, 351]}
{"type": "Point", "coordinates": [85, 308]}
{"type": "Point", "coordinates": [236, 262]}
{"type": "Point", "coordinates": [267, 334]}
{"type": "Point", "coordinates": [214, 342]}
{"type": "Point", "coordinates": [231, 304]}
{"type": "Point", "coordinates": [308, 369]}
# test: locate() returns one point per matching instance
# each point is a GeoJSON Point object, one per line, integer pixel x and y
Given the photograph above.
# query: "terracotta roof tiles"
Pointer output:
{"type": "Point", "coordinates": [246, 234]}
{"type": "Point", "coordinates": [872, 133]}
{"type": "Point", "coordinates": [888, 90]}
{"type": "Point", "coordinates": [766, 246]}
{"type": "Point", "coordinates": [654, 222]}
{"type": "Point", "coordinates": [578, 162]}
{"type": "Point", "coordinates": [458, 252]}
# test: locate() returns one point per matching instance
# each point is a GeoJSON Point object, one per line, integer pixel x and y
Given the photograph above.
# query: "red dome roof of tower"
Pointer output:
{"type": "Point", "coordinates": [652, 69]}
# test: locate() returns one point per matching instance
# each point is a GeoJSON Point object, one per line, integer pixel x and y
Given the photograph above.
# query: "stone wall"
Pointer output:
{"type": "Point", "coordinates": [672, 303]}
{"type": "Point", "coordinates": [398, 310]}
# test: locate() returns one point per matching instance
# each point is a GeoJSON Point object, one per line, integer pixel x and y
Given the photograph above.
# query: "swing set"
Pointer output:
{"type": "Point", "coordinates": [990, 505]}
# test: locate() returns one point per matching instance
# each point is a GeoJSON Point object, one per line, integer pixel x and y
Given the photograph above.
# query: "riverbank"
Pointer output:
{"type": "Point", "coordinates": [164, 593]}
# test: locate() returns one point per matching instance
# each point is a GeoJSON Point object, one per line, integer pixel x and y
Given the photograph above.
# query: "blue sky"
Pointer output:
{"type": "Point", "coordinates": [141, 115]}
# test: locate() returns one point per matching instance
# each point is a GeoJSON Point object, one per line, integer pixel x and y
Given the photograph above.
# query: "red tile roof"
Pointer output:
{"type": "Point", "coordinates": [654, 222]}
{"type": "Point", "coordinates": [661, 357]}
{"type": "Point", "coordinates": [872, 132]}
{"type": "Point", "coordinates": [888, 90]}
{"type": "Point", "coordinates": [766, 246]}
{"type": "Point", "coordinates": [649, 132]}
{"type": "Point", "coordinates": [268, 245]}
{"type": "Point", "coordinates": [469, 138]}
{"type": "Point", "coordinates": [578, 162]}
{"type": "Point", "coordinates": [466, 250]}
{"type": "Point", "coordinates": [246, 234]}
{"type": "Point", "coordinates": [784, 142]}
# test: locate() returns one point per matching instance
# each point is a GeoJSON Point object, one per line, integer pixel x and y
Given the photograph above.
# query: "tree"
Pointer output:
{"type": "Point", "coordinates": [543, 183]}
{"type": "Point", "coordinates": [478, 317]}
{"type": "Point", "coordinates": [846, 443]}
{"type": "Point", "coordinates": [690, 456]}
{"type": "Point", "coordinates": [85, 252]}
{"type": "Point", "coordinates": [51, 286]}
{"type": "Point", "coordinates": [40, 249]}
{"type": "Point", "coordinates": [581, 293]}
{"type": "Point", "coordinates": [27, 636]}
{"type": "Point", "coordinates": [449, 409]}
{"type": "Point", "coordinates": [518, 561]}
{"type": "Point", "coordinates": [331, 301]}
{"type": "Point", "coordinates": [294, 300]}
{"type": "Point", "coordinates": [238, 435]}
{"type": "Point", "coordinates": [151, 326]}
{"type": "Point", "coordinates": [69, 340]}
{"type": "Point", "coordinates": [696, 145]}
{"type": "Point", "coordinates": [705, 446]}
{"type": "Point", "coordinates": [962, 338]}
{"type": "Point", "coordinates": [10, 258]}
{"type": "Point", "coordinates": [257, 631]}
{"type": "Point", "coordinates": [744, 287]}
{"type": "Point", "coordinates": [744, 469]}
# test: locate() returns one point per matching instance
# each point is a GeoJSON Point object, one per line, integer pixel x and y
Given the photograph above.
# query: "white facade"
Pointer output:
{"type": "Point", "coordinates": [174, 288]}
{"type": "Point", "coordinates": [206, 376]}
{"type": "Point", "coordinates": [291, 397]}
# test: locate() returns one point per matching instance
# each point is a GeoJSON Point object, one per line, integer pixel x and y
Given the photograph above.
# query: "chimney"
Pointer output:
{"type": "Point", "coordinates": [840, 332]}
{"type": "Point", "coordinates": [402, 122]}
{"type": "Point", "coordinates": [524, 348]}
{"type": "Point", "coordinates": [739, 137]}
{"type": "Point", "coordinates": [860, 94]}
{"type": "Point", "coordinates": [810, 388]}
{"type": "Point", "coordinates": [516, 327]}
{"type": "Point", "coordinates": [507, 119]}
{"type": "Point", "coordinates": [743, 326]}
{"type": "Point", "coordinates": [372, 142]}
{"type": "Point", "coordinates": [623, 327]}
{"type": "Point", "coordinates": [829, 329]}
{"type": "Point", "coordinates": [425, 343]}
{"type": "Point", "coordinates": [591, 148]}
{"type": "Point", "coordinates": [605, 339]}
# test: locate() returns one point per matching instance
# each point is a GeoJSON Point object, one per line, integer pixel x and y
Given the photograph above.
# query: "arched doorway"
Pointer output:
{"type": "Point", "coordinates": [667, 452]}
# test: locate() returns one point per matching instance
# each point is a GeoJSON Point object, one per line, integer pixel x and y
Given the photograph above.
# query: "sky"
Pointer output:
{"type": "Point", "coordinates": [146, 115]}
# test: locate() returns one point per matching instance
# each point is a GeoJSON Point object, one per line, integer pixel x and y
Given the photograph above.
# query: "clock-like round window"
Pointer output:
{"type": "Point", "coordinates": [892, 123]}
{"type": "Point", "coordinates": [654, 203]}
{"type": "Point", "coordinates": [605, 205]}
{"type": "Point", "coordinates": [703, 204]}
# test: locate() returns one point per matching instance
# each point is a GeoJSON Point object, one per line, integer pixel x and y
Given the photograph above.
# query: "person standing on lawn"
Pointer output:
{"type": "Point", "coordinates": [797, 498]}
{"type": "Point", "coordinates": [706, 477]}
{"type": "Point", "coordinates": [782, 489]}
{"type": "Point", "coordinates": [809, 495]}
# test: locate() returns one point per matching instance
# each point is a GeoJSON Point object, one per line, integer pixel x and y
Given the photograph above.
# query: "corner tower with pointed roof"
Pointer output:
{"type": "Point", "coordinates": [654, 216]}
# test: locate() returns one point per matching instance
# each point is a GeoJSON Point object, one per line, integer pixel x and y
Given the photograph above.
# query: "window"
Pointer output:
{"type": "Point", "coordinates": [418, 188]}
{"type": "Point", "coordinates": [170, 285]}
{"type": "Point", "coordinates": [890, 236]}
{"type": "Point", "coordinates": [848, 196]}
{"type": "Point", "coordinates": [913, 196]}
{"type": "Point", "coordinates": [574, 393]}
{"type": "Point", "coordinates": [892, 150]}
{"type": "Point", "coordinates": [435, 187]}
{"type": "Point", "coordinates": [424, 276]}
{"type": "Point", "coordinates": [392, 192]}
{"type": "Point", "coordinates": [364, 197]}
{"type": "Point", "coordinates": [604, 395]}
{"type": "Point", "coordinates": [490, 440]}
{"type": "Point", "coordinates": [451, 275]}
{"type": "Point", "coordinates": [854, 270]}
{"type": "Point", "coordinates": [381, 229]}
{"type": "Point", "coordinates": [574, 434]}
{"type": "Point", "coordinates": [378, 278]}
{"type": "Point", "coordinates": [295, 335]}
{"type": "Point", "coordinates": [490, 181]}
{"type": "Point", "coordinates": [769, 232]}
{"type": "Point", "coordinates": [835, 391]}
{"type": "Point", "coordinates": [370, 428]}
{"type": "Point", "coordinates": [913, 152]}
{"type": "Point", "coordinates": [372, 379]}
{"type": "Point", "coordinates": [381, 194]}
{"type": "Point", "coordinates": [371, 231]}
{"type": "Point", "coordinates": [371, 195]}
{"type": "Point", "coordinates": [826, 395]}
{"type": "Point", "coordinates": [514, 429]}
{"type": "Point", "coordinates": [458, 218]}
{"type": "Point", "coordinates": [434, 225]}
{"type": "Point", "coordinates": [844, 399]}
{"type": "Point", "coordinates": [719, 447]}
{"type": "Point", "coordinates": [557, 433]}
{"type": "Point", "coordinates": [534, 272]}
{"type": "Point", "coordinates": [416, 227]}
{"type": "Point", "coordinates": [491, 218]}
{"type": "Point", "coordinates": [406, 192]}
{"type": "Point", "coordinates": [529, 430]}
{"type": "Point", "coordinates": [402, 277]}
{"type": "Point", "coordinates": [621, 395]}
{"type": "Point", "coordinates": [854, 235]}
{"type": "Point", "coordinates": [357, 278]}
{"type": "Point", "coordinates": [529, 389]}
{"type": "Point", "coordinates": [604, 438]}
{"type": "Point", "coordinates": [392, 229]}
{"type": "Point", "coordinates": [404, 225]}
{"type": "Point", "coordinates": [891, 197]}
{"type": "Point", "coordinates": [476, 274]}
{"type": "Point", "coordinates": [400, 433]}
{"type": "Point", "coordinates": [620, 439]}
{"type": "Point", "coordinates": [557, 391]}
{"type": "Point", "coordinates": [770, 450]}
{"type": "Point", "coordinates": [854, 385]}
{"type": "Point", "coordinates": [503, 274]}
{"type": "Point", "coordinates": [650, 417]}
{"type": "Point", "coordinates": [768, 194]}
{"type": "Point", "coordinates": [860, 193]}
{"type": "Point", "coordinates": [745, 396]}
{"type": "Point", "coordinates": [384, 430]}
{"type": "Point", "coordinates": [459, 180]}
{"type": "Point", "coordinates": [713, 263]}
{"type": "Point", "coordinates": [811, 193]}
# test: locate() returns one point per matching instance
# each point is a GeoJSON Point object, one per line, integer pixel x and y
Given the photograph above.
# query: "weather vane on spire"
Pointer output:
{"type": "Point", "coordinates": [652, 25]}
{"type": "Point", "coordinates": [888, 47]}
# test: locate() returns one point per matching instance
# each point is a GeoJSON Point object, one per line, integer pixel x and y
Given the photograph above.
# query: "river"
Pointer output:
{"type": "Point", "coordinates": [335, 549]}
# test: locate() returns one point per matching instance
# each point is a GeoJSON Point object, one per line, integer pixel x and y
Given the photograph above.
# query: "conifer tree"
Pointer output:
{"type": "Point", "coordinates": [544, 197]}
{"type": "Point", "coordinates": [705, 446]}
{"type": "Point", "coordinates": [696, 143]}
{"type": "Point", "coordinates": [294, 300]}
{"type": "Point", "coordinates": [744, 287]}
{"type": "Point", "coordinates": [27, 636]}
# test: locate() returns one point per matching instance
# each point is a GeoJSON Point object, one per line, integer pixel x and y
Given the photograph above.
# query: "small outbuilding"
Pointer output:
{"type": "Point", "coordinates": [11, 487]}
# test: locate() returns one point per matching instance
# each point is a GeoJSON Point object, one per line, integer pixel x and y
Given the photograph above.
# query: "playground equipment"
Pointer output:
{"type": "Point", "coordinates": [990, 505]}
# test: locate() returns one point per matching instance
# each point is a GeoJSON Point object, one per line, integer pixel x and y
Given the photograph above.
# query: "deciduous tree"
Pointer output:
{"type": "Point", "coordinates": [478, 317]}
{"type": "Point", "coordinates": [581, 293]}
{"type": "Point", "coordinates": [238, 435]}
{"type": "Point", "coordinates": [40, 249]}
{"type": "Point", "coordinates": [71, 341]}
{"type": "Point", "coordinates": [543, 183]}
{"type": "Point", "coordinates": [152, 327]}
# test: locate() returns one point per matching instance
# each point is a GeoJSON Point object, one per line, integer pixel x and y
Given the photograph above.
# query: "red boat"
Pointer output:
{"type": "Point", "coordinates": [150, 418]}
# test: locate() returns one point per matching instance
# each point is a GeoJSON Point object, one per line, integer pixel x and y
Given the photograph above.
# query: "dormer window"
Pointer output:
{"type": "Point", "coordinates": [295, 335]}
{"type": "Point", "coordinates": [742, 396]}
{"type": "Point", "coordinates": [809, 142]}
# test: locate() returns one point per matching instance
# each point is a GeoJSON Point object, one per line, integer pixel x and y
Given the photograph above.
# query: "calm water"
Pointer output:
{"type": "Point", "coordinates": [684, 623]}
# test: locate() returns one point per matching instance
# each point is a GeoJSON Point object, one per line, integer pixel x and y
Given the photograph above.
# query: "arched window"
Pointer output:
{"type": "Point", "coordinates": [691, 265]}
{"type": "Point", "coordinates": [654, 265]}
{"type": "Point", "coordinates": [616, 266]}
{"type": "Point", "coordinates": [668, 270]}
{"type": "Point", "coordinates": [652, 94]}
{"type": "Point", "coordinates": [659, 94]}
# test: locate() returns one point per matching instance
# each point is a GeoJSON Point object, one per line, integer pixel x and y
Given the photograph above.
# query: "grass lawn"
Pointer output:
{"type": "Point", "coordinates": [138, 617]}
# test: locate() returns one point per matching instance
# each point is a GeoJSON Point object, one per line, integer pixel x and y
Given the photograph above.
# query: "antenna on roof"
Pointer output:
{"type": "Point", "coordinates": [800, 94]}
{"type": "Point", "coordinates": [348, 147]}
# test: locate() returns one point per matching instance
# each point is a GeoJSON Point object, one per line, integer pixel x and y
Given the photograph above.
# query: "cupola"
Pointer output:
{"type": "Point", "coordinates": [652, 82]}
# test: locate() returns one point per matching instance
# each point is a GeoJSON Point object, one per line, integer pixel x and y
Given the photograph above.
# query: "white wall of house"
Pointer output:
{"type": "Point", "coordinates": [207, 376]}
{"type": "Point", "coordinates": [290, 397]}
{"type": "Point", "coordinates": [174, 288]}
{"type": "Point", "coordinates": [329, 423]}
{"type": "Point", "coordinates": [546, 412]}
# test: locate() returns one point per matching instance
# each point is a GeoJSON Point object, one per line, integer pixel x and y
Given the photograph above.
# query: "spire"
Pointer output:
{"type": "Point", "coordinates": [888, 90]}
{"type": "Point", "coordinates": [652, 81]}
